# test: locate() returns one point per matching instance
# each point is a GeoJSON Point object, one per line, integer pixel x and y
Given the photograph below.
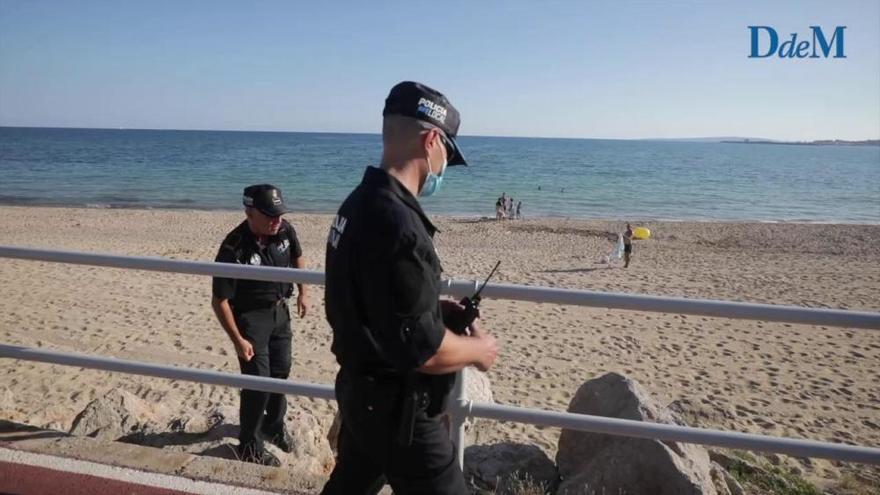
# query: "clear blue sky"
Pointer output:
{"type": "Point", "coordinates": [563, 69]}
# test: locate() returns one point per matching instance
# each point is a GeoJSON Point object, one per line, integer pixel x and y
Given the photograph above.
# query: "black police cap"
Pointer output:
{"type": "Point", "coordinates": [412, 99]}
{"type": "Point", "coordinates": [266, 198]}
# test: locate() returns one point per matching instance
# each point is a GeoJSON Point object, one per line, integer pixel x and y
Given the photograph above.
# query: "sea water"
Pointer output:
{"type": "Point", "coordinates": [578, 178]}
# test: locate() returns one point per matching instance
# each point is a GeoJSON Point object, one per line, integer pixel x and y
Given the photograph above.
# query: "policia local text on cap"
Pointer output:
{"type": "Point", "coordinates": [392, 334]}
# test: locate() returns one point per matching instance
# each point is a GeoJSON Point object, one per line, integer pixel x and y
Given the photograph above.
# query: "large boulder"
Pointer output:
{"type": "Point", "coordinates": [724, 482]}
{"type": "Point", "coordinates": [211, 432]}
{"type": "Point", "coordinates": [509, 468]}
{"type": "Point", "coordinates": [333, 433]}
{"type": "Point", "coordinates": [592, 463]}
{"type": "Point", "coordinates": [215, 433]}
{"type": "Point", "coordinates": [477, 388]}
{"type": "Point", "coordinates": [115, 415]}
{"type": "Point", "coordinates": [311, 452]}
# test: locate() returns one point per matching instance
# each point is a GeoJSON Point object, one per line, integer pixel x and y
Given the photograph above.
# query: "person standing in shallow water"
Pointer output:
{"type": "Point", "coordinates": [627, 245]}
{"type": "Point", "coordinates": [256, 318]}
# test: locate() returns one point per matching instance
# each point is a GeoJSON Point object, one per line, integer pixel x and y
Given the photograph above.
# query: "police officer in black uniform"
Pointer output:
{"type": "Point", "coordinates": [392, 335]}
{"type": "Point", "coordinates": [255, 316]}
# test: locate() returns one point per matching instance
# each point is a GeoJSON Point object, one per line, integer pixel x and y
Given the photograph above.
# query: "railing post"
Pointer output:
{"type": "Point", "coordinates": [458, 415]}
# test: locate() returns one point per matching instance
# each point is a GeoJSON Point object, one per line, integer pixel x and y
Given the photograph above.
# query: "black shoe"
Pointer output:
{"type": "Point", "coordinates": [283, 441]}
{"type": "Point", "coordinates": [258, 456]}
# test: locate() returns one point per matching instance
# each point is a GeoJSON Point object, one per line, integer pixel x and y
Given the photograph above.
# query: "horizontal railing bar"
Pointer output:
{"type": "Point", "coordinates": [675, 305]}
{"type": "Point", "coordinates": [596, 424]}
{"type": "Point", "coordinates": [263, 384]}
{"type": "Point", "coordinates": [230, 270]}
{"type": "Point", "coordinates": [686, 434]}
{"type": "Point", "coordinates": [634, 302]}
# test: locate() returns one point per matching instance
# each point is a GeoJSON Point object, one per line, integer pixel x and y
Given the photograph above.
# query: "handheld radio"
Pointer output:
{"type": "Point", "coordinates": [471, 307]}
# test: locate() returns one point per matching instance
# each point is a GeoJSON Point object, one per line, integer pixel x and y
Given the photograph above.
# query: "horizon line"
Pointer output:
{"type": "Point", "coordinates": [688, 138]}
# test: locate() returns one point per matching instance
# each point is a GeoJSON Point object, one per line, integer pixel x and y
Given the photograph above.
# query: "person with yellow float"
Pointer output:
{"type": "Point", "coordinates": [630, 235]}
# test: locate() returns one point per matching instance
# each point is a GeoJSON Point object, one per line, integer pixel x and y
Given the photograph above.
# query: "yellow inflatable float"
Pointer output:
{"type": "Point", "coordinates": [641, 233]}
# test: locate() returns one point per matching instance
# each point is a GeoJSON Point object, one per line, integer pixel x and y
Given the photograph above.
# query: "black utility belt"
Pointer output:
{"type": "Point", "coordinates": [384, 376]}
{"type": "Point", "coordinates": [396, 377]}
{"type": "Point", "coordinates": [428, 391]}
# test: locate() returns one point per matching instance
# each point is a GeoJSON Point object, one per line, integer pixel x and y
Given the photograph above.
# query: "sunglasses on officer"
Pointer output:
{"type": "Point", "coordinates": [450, 149]}
{"type": "Point", "coordinates": [447, 143]}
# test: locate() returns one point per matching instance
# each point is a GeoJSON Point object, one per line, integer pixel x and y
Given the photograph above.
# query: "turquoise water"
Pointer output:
{"type": "Point", "coordinates": [583, 178]}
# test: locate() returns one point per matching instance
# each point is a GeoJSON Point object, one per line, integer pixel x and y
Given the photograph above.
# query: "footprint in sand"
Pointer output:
{"type": "Point", "coordinates": [845, 391]}
{"type": "Point", "coordinates": [764, 423]}
{"type": "Point", "coordinates": [744, 411]}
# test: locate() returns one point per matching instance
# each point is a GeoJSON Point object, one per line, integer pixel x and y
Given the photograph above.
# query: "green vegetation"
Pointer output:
{"type": "Point", "coordinates": [517, 483]}
{"type": "Point", "coordinates": [774, 479]}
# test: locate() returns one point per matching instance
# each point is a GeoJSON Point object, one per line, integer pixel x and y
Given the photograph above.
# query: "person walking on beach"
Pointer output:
{"type": "Point", "coordinates": [519, 210]}
{"type": "Point", "coordinates": [627, 245]}
{"type": "Point", "coordinates": [392, 335]}
{"type": "Point", "coordinates": [256, 318]}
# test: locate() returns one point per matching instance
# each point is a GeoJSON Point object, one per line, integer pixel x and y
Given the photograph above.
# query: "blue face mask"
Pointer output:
{"type": "Point", "coordinates": [432, 182]}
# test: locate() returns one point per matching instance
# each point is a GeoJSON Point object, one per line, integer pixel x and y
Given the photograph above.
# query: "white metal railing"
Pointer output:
{"type": "Point", "coordinates": [656, 304]}
{"type": "Point", "coordinates": [463, 408]}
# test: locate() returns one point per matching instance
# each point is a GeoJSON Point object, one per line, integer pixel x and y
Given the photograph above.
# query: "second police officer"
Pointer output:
{"type": "Point", "coordinates": [256, 318]}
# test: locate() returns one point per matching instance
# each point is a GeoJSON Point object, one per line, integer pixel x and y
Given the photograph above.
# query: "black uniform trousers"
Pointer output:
{"type": "Point", "coordinates": [261, 413]}
{"type": "Point", "coordinates": [370, 451]}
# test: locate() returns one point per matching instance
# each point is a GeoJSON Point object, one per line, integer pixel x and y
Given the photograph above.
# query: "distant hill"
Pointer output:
{"type": "Point", "coordinates": [720, 139]}
{"type": "Point", "coordinates": [753, 140]}
{"type": "Point", "coordinates": [820, 142]}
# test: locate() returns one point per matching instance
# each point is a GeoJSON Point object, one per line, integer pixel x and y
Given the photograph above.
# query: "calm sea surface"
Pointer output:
{"type": "Point", "coordinates": [582, 178]}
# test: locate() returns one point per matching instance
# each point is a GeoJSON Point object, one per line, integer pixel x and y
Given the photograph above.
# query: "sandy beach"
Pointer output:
{"type": "Point", "coordinates": [780, 379]}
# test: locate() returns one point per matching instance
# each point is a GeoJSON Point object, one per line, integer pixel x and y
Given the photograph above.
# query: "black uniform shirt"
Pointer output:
{"type": "Point", "coordinates": [383, 279]}
{"type": "Point", "coordinates": [240, 246]}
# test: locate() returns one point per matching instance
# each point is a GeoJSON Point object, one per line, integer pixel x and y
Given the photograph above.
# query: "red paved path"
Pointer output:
{"type": "Point", "coordinates": [21, 479]}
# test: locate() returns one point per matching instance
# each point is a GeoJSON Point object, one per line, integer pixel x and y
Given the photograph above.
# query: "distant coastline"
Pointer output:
{"type": "Point", "coordinates": [707, 139]}
{"type": "Point", "coordinates": [821, 142]}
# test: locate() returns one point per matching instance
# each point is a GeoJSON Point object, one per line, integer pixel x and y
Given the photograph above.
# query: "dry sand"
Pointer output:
{"type": "Point", "coordinates": [780, 379]}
